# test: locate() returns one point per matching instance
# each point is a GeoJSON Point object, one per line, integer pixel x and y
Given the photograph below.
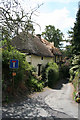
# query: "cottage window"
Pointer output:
{"type": "Point", "coordinates": [41, 58]}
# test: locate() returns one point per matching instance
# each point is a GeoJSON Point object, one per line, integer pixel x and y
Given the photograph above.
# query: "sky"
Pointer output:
{"type": "Point", "coordinates": [59, 13]}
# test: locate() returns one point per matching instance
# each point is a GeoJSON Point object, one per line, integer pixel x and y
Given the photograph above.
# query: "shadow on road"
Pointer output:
{"type": "Point", "coordinates": [31, 108]}
{"type": "Point", "coordinates": [60, 83]}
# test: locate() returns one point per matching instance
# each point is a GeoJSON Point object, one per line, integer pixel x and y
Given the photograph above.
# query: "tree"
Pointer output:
{"type": "Point", "coordinates": [14, 20]}
{"type": "Point", "coordinates": [74, 50]}
{"type": "Point", "coordinates": [53, 35]}
{"type": "Point", "coordinates": [76, 37]}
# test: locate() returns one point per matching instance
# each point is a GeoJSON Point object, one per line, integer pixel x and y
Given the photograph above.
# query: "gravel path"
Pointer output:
{"type": "Point", "coordinates": [46, 104]}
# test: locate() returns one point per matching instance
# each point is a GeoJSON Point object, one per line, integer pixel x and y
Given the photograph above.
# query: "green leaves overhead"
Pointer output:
{"type": "Point", "coordinates": [53, 35]}
{"type": "Point", "coordinates": [74, 36]}
{"type": "Point", "coordinates": [14, 19]}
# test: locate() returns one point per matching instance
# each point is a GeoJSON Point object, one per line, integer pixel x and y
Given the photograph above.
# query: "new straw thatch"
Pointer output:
{"type": "Point", "coordinates": [50, 46]}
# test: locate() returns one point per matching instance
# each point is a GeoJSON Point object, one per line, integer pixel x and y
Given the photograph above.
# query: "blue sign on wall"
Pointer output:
{"type": "Point", "coordinates": [14, 63]}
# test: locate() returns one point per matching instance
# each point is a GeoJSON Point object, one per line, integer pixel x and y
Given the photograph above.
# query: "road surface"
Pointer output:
{"type": "Point", "coordinates": [61, 100]}
{"type": "Point", "coordinates": [51, 103]}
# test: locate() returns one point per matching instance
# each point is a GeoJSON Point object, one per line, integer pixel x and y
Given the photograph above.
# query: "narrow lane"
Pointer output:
{"type": "Point", "coordinates": [33, 109]}
{"type": "Point", "coordinates": [55, 103]}
{"type": "Point", "coordinates": [62, 100]}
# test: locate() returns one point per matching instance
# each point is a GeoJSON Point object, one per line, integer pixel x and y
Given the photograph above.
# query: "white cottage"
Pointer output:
{"type": "Point", "coordinates": [56, 51]}
{"type": "Point", "coordinates": [37, 54]}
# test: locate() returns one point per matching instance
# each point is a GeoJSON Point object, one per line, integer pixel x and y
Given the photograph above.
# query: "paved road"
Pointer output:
{"type": "Point", "coordinates": [61, 100]}
{"type": "Point", "coordinates": [31, 108]}
{"type": "Point", "coordinates": [53, 103]}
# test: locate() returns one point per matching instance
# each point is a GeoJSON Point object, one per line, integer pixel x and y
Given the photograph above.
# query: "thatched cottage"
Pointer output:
{"type": "Point", "coordinates": [37, 52]}
{"type": "Point", "coordinates": [56, 52]}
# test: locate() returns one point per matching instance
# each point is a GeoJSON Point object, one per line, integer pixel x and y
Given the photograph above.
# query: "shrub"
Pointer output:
{"type": "Point", "coordinates": [51, 73]}
{"type": "Point", "coordinates": [20, 72]}
{"type": "Point", "coordinates": [75, 73]}
{"type": "Point", "coordinates": [64, 71]}
{"type": "Point", "coordinates": [25, 80]}
{"type": "Point", "coordinates": [34, 84]}
{"type": "Point", "coordinates": [75, 67]}
{"type": "Point", "coordinates": [44, 76]}
{"type": "Point", "coordinates": [76, 83]}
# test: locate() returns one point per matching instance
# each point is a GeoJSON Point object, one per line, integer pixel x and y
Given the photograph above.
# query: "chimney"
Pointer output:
{"type": "Point", "coordinates": [39, 36]}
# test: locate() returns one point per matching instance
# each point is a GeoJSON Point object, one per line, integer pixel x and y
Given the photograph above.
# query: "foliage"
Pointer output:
{"type": "Point", "coordinates": [34, 83]}
{"type": "Point", "coordinates": [76, 84]}
{"type": "Point", "coordinates": [53, 35]}
{"type": "Point", "coordinates": [20, 72]}
{"type": "Point", "coordinates": [24, 74]}
{"type": "Point", "coordinates": [51, 73]}
{"type": "Point", "coordinates": [75, 67]}
{"type": "Point", "coordinates": [73, 51]}
{"type": "Point", "coordinates": [14, 20]}
{"type": "Point", "coordinates": [68, 51]}
{"type": "Point", "coordinates": [64, 71]}
{"type": "Point", "coordinates": [74, 36]}
{"type": "Point", "coordinates": [76, 39]}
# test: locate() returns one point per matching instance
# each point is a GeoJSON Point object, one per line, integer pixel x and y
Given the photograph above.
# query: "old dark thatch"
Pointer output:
{"type": "Point", "coordinates": [30, 44]}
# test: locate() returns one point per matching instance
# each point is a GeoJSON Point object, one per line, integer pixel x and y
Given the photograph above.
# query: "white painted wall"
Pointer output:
{"type": "Point", "coordinates": [35, 60]}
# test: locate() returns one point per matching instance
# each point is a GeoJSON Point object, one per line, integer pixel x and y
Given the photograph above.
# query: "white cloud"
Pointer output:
{"type": "Point", "coordinates": [60, 1]}
{"type": "Point", "coordinates": [59, 18]}
{"type": "Point", "coordinates": [28, 4]}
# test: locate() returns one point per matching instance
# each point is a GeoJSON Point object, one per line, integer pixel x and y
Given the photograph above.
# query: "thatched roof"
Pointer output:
{"type": "Point", "coordinates": [31, 44]}
{"type": "Point", "coordinates": [50, 46]}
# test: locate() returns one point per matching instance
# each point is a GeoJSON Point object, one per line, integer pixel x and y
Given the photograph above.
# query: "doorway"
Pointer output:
{"type": "Point", "coordinates": [39, 69]}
